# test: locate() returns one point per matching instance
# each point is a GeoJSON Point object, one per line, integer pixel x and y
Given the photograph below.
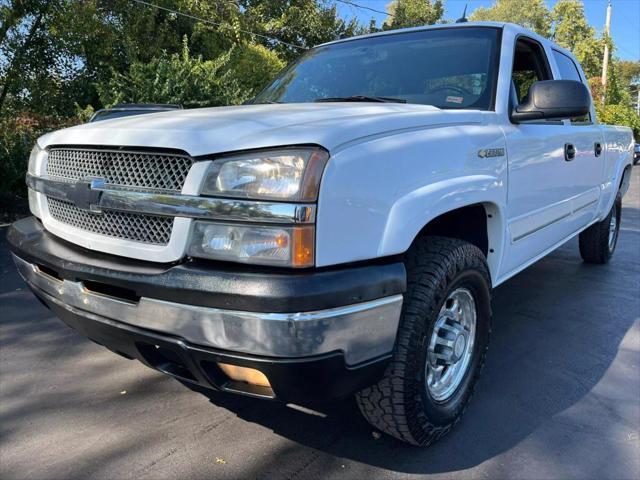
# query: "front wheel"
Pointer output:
{"type": "Point", "coordinates": [598, 242]}
{"type": "Point", "coordinates": [441, 343]}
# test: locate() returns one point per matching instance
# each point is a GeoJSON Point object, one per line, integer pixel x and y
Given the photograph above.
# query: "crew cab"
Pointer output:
{"type": "Point", "coordinates": [339, 235]}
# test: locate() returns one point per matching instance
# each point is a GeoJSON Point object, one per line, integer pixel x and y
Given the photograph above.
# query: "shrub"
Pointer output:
{"type": "Point", "coordinates": [620, 114]}
{"type": "Point", "coordinates": [18, 134]}
{"type": "Point", "coordinates": [178, 78]}
{"type": "Point", "coordinates": [253, 66]}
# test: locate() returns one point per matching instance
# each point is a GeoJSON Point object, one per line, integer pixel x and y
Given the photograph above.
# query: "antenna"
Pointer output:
{"type": "Point", "coordinates": [463, 18]}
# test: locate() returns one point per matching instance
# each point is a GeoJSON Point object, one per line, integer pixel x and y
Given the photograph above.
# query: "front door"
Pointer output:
{"type": "Point", "coordinates": [552, 182]}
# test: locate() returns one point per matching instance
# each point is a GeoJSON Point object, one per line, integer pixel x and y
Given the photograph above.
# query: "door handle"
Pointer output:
{"type": "Point", "coordinates": [569, 152]}
{"type": "Point", "coordinates": [597, 149]}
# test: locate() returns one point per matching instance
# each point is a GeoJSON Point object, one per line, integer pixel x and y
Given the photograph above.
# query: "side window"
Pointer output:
{"type": "Point", "coordinates": [569, 71]}
{"type": "Point", "coordinates": [529, 66]}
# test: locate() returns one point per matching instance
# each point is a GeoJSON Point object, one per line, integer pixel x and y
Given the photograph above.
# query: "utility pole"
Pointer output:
{"type": "Point", "coordinates": [605, 60]}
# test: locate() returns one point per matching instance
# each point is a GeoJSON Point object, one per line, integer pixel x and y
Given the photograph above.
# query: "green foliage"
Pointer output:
{"type": "Point", "coordinates": [17, 137]}
{"type": "Point", "coordinates": [413, 13]}
{"type": "Point", "coordinates": [176, 78]}
{"type": "Point", "coordinates": [532, 14]}
{"type": "Point", "coordinates": [629, 72]}
{"type": "Point", "coordinates": [619, 114]}
{"type": "Point", "coordinates": [572, 31]}
{"type": "Point", "coordinates": [567, 25]}
{"type": "Point", "coordinates": [570, 24]}
{"type": "Point", "coordinates": [252, 67]}
{"type": "Point", "coordinates": [297, 22]}
{"type": "Point", "coordinates": [58, 55]}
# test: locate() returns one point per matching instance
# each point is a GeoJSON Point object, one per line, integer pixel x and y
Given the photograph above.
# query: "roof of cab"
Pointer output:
{"type": "Point", "coordinates": [503, 25]}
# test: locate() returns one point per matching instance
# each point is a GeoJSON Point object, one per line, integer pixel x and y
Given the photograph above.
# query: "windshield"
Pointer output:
{"type": "Point", "coordinates": [447, 68]}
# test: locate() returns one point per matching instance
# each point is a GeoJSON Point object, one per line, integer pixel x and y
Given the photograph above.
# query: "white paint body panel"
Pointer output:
{"type": "Point", "coordinates": [396, 167]}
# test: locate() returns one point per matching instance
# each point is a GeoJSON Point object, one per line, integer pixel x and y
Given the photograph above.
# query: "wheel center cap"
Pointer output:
{"type": "Point", "coordinates": [458, 347]}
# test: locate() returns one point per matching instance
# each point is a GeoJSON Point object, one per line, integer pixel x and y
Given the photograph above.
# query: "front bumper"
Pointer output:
{"type": "Point", "coordinates": [337, 342]}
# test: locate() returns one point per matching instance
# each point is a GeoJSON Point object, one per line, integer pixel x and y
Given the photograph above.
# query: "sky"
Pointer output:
{"type": "Point", "coordinates": [625, 18]}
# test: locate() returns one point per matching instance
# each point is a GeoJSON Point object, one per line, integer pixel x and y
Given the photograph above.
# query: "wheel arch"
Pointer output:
{"type": "Point", "coordinates": [479, 223]}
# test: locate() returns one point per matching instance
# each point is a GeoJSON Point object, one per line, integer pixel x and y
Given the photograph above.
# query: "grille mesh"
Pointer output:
{"type": "Point", "coordinates": [153, 170]}
{"type": "Point", "coordinates": [129, 226]}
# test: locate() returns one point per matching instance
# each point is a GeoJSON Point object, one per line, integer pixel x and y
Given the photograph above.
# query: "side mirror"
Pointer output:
{"type": "Point", "coordinates": [553, 99]}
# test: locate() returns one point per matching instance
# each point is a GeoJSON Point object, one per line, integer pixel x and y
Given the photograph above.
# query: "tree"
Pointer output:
{"type": "Point", "coordinates": [629, 72]}
{"type": "Point", "coordinates": [176, 78]}
{"type": "Point", "coordinates": [629, 78]}
{"type": "Point", "coordinates": [68, 46]}
{"type": "Point", "coordinates": [572, 31]}
{"type": "Point", "coordinates": [570, 26]}
{"type": "Point", "coordinates": [304, 23]}
{"type": "Point", "coordinates": [532, 14]}
{"type": "Point", "coordinates": [619, 114]}
{"type": "Point", "coordinates": [252, 67]}
{"type": "Point", "coordinates": [413, 13]}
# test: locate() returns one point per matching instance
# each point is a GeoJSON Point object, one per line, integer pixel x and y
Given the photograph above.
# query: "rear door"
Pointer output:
{"type": "Point", "coordinates": [587, 138]}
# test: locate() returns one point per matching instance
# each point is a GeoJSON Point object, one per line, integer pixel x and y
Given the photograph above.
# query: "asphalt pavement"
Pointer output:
{"type": "Point", "coordinates": [559, 396]}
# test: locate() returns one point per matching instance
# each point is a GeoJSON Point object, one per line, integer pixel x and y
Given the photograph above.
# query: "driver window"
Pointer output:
{"type": "Point", "coordinates": [529, 65]}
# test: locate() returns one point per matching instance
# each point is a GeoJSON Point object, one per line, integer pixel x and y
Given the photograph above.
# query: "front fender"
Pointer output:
{"type": "Point", "coordinates": [410, 214]}
{"type": "Point", "coordinates": [376, 196]}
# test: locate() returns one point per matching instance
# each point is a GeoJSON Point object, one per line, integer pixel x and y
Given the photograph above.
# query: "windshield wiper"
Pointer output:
{"type": "Point", "coordinates": [252, 101]}
{"type": "Point", "coordinates": [361, 98]}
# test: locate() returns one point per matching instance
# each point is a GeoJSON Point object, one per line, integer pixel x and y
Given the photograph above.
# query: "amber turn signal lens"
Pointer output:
{"type": "Point", "coordinates": [245, 374]}
{"type": "Point", "coordinates": [303, 247]}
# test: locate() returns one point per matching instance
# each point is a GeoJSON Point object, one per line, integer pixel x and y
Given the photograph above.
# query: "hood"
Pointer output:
{"type": "Point", "coordinates": [208, 131]}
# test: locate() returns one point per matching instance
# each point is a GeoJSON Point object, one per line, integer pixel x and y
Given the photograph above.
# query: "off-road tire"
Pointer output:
{"type": "Point", "coordinates": [400, 404]}
{"type": "Point", "coordinates": [594, 241]}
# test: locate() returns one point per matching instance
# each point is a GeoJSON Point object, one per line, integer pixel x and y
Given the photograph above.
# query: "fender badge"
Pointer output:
{"type": "Point", "coordinates": [491, 152]}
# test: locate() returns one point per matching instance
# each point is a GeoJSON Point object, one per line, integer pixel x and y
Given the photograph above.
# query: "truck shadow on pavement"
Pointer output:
{"type": "Point", "coordinates": [557, 328]}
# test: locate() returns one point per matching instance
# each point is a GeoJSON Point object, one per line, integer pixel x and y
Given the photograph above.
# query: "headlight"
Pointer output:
{"type": "Point", "coordinates": [35, 159]}
{"type": "Point", "coordinates": [285, 174]}
{"type": "Point", "coordinates": [265, 245]}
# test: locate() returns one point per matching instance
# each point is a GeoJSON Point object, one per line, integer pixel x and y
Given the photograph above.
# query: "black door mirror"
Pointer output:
{"type": "Point", "coordinates": [553, 99]}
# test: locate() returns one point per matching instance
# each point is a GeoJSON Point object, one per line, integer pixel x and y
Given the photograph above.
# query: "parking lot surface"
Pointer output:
{"type": "Point", "coordinates": [559, 396]}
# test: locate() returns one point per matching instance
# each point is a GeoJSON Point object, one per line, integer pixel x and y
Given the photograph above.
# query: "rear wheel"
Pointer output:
{"type": "Point", "coordinates": [598, 242]}
{"type": "Point", "coordinates": [441, 343]}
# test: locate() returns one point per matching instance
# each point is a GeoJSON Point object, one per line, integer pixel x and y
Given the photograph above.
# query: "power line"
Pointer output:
{"type": "Point", "coordinates": [217, 24]}
{"type": "Point", "coordinates": [353, 4]}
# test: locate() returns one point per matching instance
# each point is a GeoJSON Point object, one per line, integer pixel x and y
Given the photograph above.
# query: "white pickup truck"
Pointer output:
{"type": "Point", "coordinates": [342, 233]}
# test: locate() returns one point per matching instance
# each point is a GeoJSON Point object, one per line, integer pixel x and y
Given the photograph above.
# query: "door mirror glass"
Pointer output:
{"type": "Point", "coordinates": [553, 100]}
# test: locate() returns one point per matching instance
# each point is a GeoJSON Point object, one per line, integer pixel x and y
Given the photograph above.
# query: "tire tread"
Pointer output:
{"type": "Point", "coordinates": [594, 241]}
{"type": "Point", "coordinates": [393, 405]}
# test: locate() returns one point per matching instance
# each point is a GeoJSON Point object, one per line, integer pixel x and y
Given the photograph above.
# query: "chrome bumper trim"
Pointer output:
{"type": "Point", "coordinates": [177, 205]}
{"type": "Point", "coordinates": [360, 331]}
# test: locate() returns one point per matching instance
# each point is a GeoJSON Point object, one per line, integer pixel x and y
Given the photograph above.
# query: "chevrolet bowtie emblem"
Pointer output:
{"type": "Point", "coordinates": [86, 194]}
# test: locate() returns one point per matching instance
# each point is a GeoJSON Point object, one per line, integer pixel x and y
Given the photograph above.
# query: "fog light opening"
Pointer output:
{"type": "Point", "coordinates": [245, 374]}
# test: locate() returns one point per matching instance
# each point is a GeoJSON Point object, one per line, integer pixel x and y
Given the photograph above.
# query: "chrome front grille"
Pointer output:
{"type": "Point", "coordinates": [126, 169]}
{"type": "Point", "coordinates": [129, 226]}
{"type": "Point", "coordinates": [123, 168]}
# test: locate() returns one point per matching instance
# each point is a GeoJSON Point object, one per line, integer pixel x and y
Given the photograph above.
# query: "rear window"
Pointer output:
{"type": "Point", "coordinates": [568, 69]}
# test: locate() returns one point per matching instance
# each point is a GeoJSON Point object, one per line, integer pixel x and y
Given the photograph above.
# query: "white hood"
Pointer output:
{"type": "Point", "coordinates": [224, 129]}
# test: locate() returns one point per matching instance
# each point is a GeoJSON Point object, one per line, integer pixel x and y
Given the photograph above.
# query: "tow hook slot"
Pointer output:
{"type": "Point", "coordinates": [49, 272]}
{"type": "Point", "coordinates": [111, 291]}
{"type": "Point", "coordinates": [165, 360]}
